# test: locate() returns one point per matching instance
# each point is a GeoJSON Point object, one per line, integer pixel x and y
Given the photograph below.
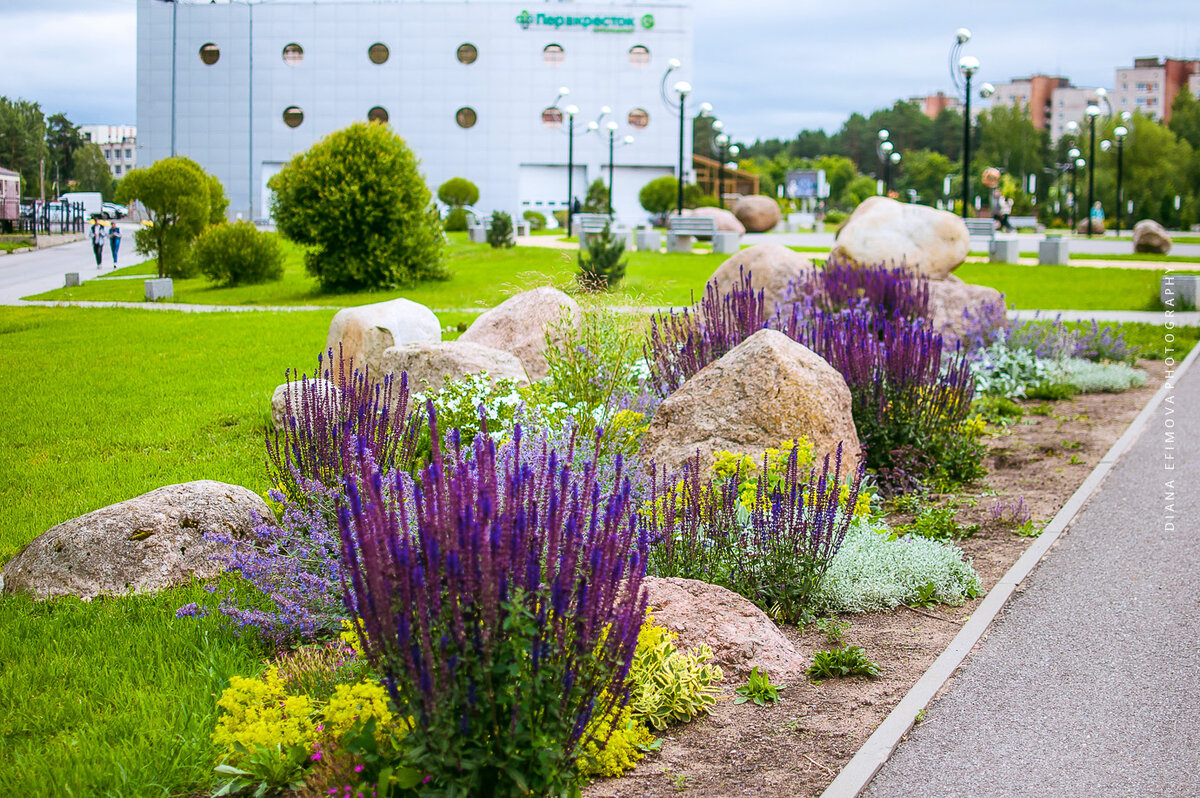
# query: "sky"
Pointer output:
{"type": "Point", "coordinates": [770, 68]}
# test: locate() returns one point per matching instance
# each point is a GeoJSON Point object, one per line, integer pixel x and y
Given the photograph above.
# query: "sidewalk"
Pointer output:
{"type": "Point", "coordinates": [1086, 684]}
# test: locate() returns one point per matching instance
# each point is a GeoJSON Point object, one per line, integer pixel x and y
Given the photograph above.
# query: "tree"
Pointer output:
{"type": "Point", "coordinates": [839, 171]}
{"type": "Point", "coordinates": [1185, 118]}
{"type": "Point", "coordinates": [924, 172]}
{"type": "Point", "coordinates": [858, 190]}
{"type": "Point", "coordinates": [90, 171]}
{"type": "Point", "coordinates": [457, 192]}
{"type": "Point", "coordinates": [1156, 168]}
{"type": "Point", "coordinates": [23, 141]}
{"type": "Point", "coordinates": [180, 198]}
{"type": "Point", "coordinates": [658, 196]}
{"type": "Point", "coordinates": [63, 139]}
{"type": "Point", "coordinates": [358, 202]}
{"type": "Point", "coordinates": [596, 200]}
{"type": "Point", "coordinates": [1009, 141]}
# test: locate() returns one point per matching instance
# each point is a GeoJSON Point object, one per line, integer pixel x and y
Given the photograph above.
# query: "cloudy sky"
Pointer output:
{"type": "Point", "coordinates": [769, 67]}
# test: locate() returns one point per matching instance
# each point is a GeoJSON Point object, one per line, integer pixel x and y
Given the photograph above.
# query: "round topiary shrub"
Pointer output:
{"type": "Point", "coordinates": [237, 254]}
{"type": "Point", "coordinates": [357, 201]}
{"type": "Point", "coordinates": [456, 220]}
{"type": "Point", "coordinates": [457, 192]}
{"type": "Point", "coordinates": [537, 221]}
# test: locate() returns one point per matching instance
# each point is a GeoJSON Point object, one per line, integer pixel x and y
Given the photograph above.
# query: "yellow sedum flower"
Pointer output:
{"type": "Point", "coordinates": [360, 702]}
{"type": "Point", "coordinates": [260, 714]}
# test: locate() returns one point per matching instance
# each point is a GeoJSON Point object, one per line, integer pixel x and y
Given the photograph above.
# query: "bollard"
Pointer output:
{"type": "Point", "coordinates": [161, 288]}
{"type": "Point", "coordinates": [72, 279]}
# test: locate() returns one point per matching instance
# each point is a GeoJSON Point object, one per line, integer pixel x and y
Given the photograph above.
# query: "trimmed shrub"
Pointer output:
{"type": "Point", "coordinates": [357, 201]}
{"type": "Point", "coordinates": [237, 254]}
{"type": "Point", "coordinates": [596, 199]}
{"type": "Point", "coordinates": [537, 221]}
{"type": "Point", "coordinates": [602, 266]}
{"type": "Point", "coordinates": [658, 196]}
{"type": "Point", "coordinates": [457, 192]}
{"type": "Point", "coordinates": [456, 220]}
{"type": "Point", "coordinates": [500, 234]}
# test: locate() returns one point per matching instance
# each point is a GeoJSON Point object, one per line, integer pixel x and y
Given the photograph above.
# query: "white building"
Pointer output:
{"type": "Point", "coordinates": [241, 86]}
{"type": "Point", "coordinates": [1069, 104]}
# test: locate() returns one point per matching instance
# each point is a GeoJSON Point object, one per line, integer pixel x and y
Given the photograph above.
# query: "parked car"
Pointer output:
{"type": "Point", "coordinates": [111, 210]}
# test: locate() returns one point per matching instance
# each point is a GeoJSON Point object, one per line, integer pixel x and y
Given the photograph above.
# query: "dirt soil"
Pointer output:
{"type": "Point", "coordinates": [798, 746]}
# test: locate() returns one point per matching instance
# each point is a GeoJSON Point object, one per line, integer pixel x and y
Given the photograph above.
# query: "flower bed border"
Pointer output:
{"type": "Point", "coordinates": [867, 761]}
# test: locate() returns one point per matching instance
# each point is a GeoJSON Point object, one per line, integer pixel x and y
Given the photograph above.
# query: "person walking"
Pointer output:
{"type": "Point", "coordinates": [98, 240]}
{"type": "Point", "coordinates": [114, 241]}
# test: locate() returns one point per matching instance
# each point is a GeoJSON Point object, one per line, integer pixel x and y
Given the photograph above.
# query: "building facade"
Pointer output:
{"type": "Point", "coordinates": [1150, 85]}
{"type": "Point", "coordinates": [933, 104]}
{"type": "Point", "coordinates": [242, 86]}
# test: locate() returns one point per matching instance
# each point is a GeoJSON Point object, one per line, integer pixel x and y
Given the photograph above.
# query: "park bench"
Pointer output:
{"type": "Point", "coordinates": [1024, 222]}
{"type": "Point", "coordinates": [588, 222]}
{"type": "Point", "coordinates": [593, 224]}
{"type": "Point", "coordinates": [981, 228]}
{"type": "Point", "coordinates": [681, 230]}
{"type": "Point", "coordinates": [477, 230]}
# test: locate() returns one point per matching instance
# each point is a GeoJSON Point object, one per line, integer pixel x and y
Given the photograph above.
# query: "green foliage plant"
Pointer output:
{"type": "Point", "coordinates": [659, 196]}
{"type": "Point", "coordinates": [357, 201]}
{"type": "Point", "coordinates": [592, 360]}
{"type": "Point", "coordinates": [938, 523]}
{"type": "Point", "coordinates": [500, 233]}
{"type": "Point", "coordinates": [997, 410]}
{"type": "Point", "coordinates": [596, 199]}
{"type": "Point", "coordinates": [456, 220]}
{"type": "Point", "coordinates": [758, 689]}
{"type": "Point", "coordinates": [670, 686]}
{"type": "Point", "coordinates": [237, 253]}
{"type": "Point", "coordinates": [537, 221]}
{"type": "Point", "coordinates": [603, 265]}
{"type": "Point", "coordinates": [457, 192]}
{"type": "Point", "coordinates": [182, 200]}
{"type": "Point", "coordinates": [842, 663]}
{"type": "Point", "coordinates": [833, 629]}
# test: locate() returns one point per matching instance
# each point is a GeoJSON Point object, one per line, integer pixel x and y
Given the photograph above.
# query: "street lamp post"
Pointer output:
{"type": "Point", "coordinates": [895, 159]}
{"type": "Point", "coordinates": [1120, 132]}
{"type": "Point", "coordinates": [612, 139]}
{"type": "Point", "coordinates": [1093, 111]}
{"type": "Point", "coordinates": [883, 151]}
{"type": "Point", "coordinates": [1077, 163]}
{"type": "Point", "coordinates": [682, 88]}
{"type": "Point", "coordinates": [968, 65]}
{"type": "Point", "coordinates": [571, 111]}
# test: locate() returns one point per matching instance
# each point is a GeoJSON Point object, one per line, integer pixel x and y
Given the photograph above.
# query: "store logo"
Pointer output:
{"type": "Point", "coordinates": [648, 21]}
{"type": "Point", "coordinates": [524, 19]}
{"type": "Point", "coordinates": [611, 24]}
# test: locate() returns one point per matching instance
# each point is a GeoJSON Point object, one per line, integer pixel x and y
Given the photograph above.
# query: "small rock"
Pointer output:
{"type": "Point", "coordinates": [757, 213]}
{"type": "Point", "coordinates": [520, 323]}
{"type": "Point", "coordinates": [436, 362]}
{"type": "Point", "coordinates": [925, 240]}
{"type": "Point", "coordinates": [1082, 227]}
{"type": "Point", "coordinates": [1150, 236]}
{"type": "Point", "coordinates": [740, 635]}
{"type": "Point", "coordinates": [142, 545]}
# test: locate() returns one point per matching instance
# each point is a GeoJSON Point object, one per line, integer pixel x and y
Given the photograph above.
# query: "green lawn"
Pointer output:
{"type": "Point", "coordinates": [11, 246]}
{"type": "Point", "coordinates": [1067, 287]}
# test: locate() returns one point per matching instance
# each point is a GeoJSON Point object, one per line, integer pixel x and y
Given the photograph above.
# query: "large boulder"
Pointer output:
{"type": "Point", "coordinates": [520, 324]}
{"type": "Point", "coordinates": [1082, 227]}
{"type": "Point", "coordinates": [292, 393]}
{"type": "Point", "coordinates": [740, 635]}
{"type": "Point", "coordinates": [766, 390]}
{"type": "Point", "coordinates": [882, 230]}
{"type": "Point", "coordinates": [432, 363]}
{"type": "Point", "coordinates": [757, 213]}
{"type": "Point", "coordinates": [1150, 236]}
{"type": "Point", "coordinates": [365, 331]}
{"type": "Point", "coordinates": [726, 221]}
{"type": "Point", "coordinates": [771, 268]}
{"type": "Point", "coordinates": [950, 301]}
{"type": "Point", "coordinates": [141, 545]}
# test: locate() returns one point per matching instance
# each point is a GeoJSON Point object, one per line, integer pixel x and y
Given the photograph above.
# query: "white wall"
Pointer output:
{"type": "Point", "coordinates": [228, 116]}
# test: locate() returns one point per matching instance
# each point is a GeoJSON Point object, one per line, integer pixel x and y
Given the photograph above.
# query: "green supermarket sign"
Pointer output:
{"type": "Point", "coordinates": [614, 23]}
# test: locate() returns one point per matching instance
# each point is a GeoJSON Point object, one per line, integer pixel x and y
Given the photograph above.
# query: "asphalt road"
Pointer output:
{"type": "Point", "coordinates": [1088, 684]}
{"type": "Point", "coordinates": [31, 272]}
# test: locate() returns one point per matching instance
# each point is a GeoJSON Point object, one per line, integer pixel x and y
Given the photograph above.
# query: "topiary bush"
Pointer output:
{"type": "Point", "coordinates": [359, 205]}
{"type": "Point", "coordinates": [500, 234]}
{"type": "Point", "coordinates": [537, 221]}
{"type": "Point", "coordinates": [457, 192]}
{"type": "Point", "coordinates": [456, 220]}
{"type": "Point", "coordinates": [602, 266]}
{"type": "Point", "coordinates": [238, 254]}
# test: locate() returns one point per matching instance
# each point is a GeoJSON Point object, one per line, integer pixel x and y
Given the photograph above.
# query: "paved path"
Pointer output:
{"type": "Point", "coordinates": [1087, 683]}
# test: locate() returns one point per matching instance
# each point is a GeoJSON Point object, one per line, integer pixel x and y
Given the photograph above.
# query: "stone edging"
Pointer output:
{"type": "Point", "coordinates": [878, 748]}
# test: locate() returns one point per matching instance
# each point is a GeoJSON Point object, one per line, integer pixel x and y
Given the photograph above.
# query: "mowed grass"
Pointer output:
{"type": "Point", "coordinates": [1067, 287]}
{"type": "Point", "coordinates": [482, 277]}
{"type": "Point", "coordinates": [104, 404]}
{"type": "Point", "coordinates": [114, 697]}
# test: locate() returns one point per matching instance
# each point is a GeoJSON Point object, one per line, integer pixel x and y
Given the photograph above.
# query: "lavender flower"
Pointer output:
{"type": "Point", "coordinates": [889, 291]}
{"type": "Point", "coordinates": [1009, 514]}
{"type": "Point", "coordinates": [192, 610]}
{"type": "Point", "coordinates": [502, 602]}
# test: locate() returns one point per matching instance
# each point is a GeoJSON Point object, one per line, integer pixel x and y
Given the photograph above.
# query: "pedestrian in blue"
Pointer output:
{"type": "Point", "coordinates": [114, 241]}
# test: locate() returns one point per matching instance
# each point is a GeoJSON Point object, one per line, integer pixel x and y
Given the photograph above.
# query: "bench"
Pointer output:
{"type": "Point", "coordinates": [681, 230]}
{"type": "Point", "coordinates": [588, 222]}
{"type": "Point", "coordinates": [477, 231]}
{"type": "Point", "coordinates": [595, 224]}
{"type": "Point", "coordinates": [1024, 222]}
{"type": "Point", "coordinates": [981, 228]}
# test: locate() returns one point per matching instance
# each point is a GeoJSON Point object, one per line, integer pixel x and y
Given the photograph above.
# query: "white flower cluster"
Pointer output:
{"type": "Point", "coordinates": [873, 572]}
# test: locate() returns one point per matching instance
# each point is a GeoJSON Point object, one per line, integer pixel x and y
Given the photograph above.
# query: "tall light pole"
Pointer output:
{"type": "Point", "coordinates": [683, 89]}
{"type": "Point", "coordinates": [1093, 111]}
{"type": "Point", "coordinates": [612, 144]}
{"type": "Point", "coordinates": [966, 66]}
{"type": "Point", "coordinates": [1077, 163]}
{"type": "Point", "coordinates": [895, 159]}
{"type": "Point", "coordinates": [1120, 132]}
{"type": "Point", "coordinates": [883, 151]}
{"type": "Point", "coordinates": [571, 111]}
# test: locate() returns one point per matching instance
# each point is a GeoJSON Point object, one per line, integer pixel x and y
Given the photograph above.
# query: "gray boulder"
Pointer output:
{"type": "Point", "coordinates": [1150, 236]}
{"type": "Point", "coordinates": [363, 332]}
{"type": "Point", "coordinates": [757, 213]}
{"type": "Point", "coordinates": [925, 240]}
{"type": "Point", "coordinates": [771, 268]}
{"type": "Point", "coordinates": [142, 545]}
{"type": "Point", "coordinates": [520, 324]}
{"type": "Point", "coordinates": [433, 363]}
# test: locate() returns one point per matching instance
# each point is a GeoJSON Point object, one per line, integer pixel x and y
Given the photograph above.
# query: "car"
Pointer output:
{"type": "Point", "coordinates": [110, 210]}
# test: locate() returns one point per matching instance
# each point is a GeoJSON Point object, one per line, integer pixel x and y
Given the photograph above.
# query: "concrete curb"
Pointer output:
{"type": "Point", "coordinates": [859, 771]}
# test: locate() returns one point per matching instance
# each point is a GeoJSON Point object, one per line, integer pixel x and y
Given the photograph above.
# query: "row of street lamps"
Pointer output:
{"type": "Point", "coordinates": [571, 111]}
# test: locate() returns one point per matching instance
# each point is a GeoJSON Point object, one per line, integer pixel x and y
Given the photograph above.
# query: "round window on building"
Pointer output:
{"type": "Point", "coordinates": [552, 117]}
{"type": "Point", "coordinates": [292, 116]}
{"type": "Point", "coordinates": [378, 53]}
{"type": "Point", "coordinates": [210, 53]}
{"type": "Point", "coordinates": [638, 118]}
{"type": "Point", "coordinates": [467, 53]}
{"type": "Point", "coordinates": [465, 117]}
{"type": "Point", "coordinates": [554, 54]}
{"type": "Point", "coordinates": [639, 55]}
{"type": "Point", "coordinates": [293, 54]}
{"type": "Point", "coordinates": [377, 114]}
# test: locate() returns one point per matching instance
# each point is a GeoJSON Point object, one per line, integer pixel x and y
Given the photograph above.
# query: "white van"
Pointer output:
{"type": "Point", "coordinates": [93, 203]}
